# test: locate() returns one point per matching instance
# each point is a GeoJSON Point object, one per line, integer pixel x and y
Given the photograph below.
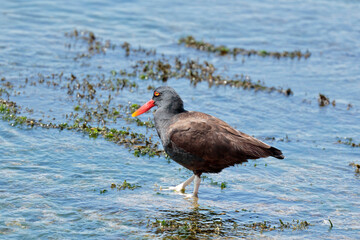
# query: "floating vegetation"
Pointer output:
{"type": "Point", "coordinates": [96, 45]}
{"type": "Point", "coordinates": [294, 225]}
{"type": "Point", "coordinates": [9, 110]}
{"type": "Point", "coordinates": [283, 139]}
{"type": "Point", "coordinates": [163, 70]}
{"type": "Point", "coordinates": [261, 226]}
{"type": "Point", "coordinates": [4, 92]}
{"type": "Point", "coordinates": [348, 141]}
{"type": "Point", "coordinates": [84, 117]}
{"type": "Point", "coordinates": [7, 84]}
{"type": "Point", "coordinates": [127, 47]}
{"type": "Point", "coordinates": [136, 142]}
{"type": "Point", "coordinates": [190, 41]}
{"type": "Point", "coordinates": [204, 223]}
{"type": "Point", "coordinates": [103, 191]}
{"type": "Point", "coordinates": [86, 87]}
{"type": "Point", "coordinates": [331, 225]}
{"type": "Point", "coordinates": [222, 184]}
{"type": "Point", "coordinates": [356, 166]}
{"type": "Point", "coordinates": [125, 185]}
{"type": "Point", "coordinates": [196, 72]}
{"type": "Point", "coordinates": [324, 101]}
{"type": "Point", "coordinates": [198, 223]}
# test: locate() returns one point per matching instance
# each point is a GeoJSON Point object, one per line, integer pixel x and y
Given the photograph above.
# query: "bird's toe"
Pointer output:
{"type": "Point", "coordinates": [178, 188]}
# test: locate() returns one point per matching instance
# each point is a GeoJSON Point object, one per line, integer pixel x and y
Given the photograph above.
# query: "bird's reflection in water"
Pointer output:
{"type": "Point", "coordinates": [196, 223]}
{"type": "Point", "coordinates": [204, 223]}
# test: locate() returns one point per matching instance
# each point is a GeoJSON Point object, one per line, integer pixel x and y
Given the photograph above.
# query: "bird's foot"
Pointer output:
{"type": "Point", "coordinates": [194, 196]}
{"type": "Point", "coordinates": [179, 188]}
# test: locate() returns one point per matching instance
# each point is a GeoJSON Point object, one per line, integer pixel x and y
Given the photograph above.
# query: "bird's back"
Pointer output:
{"type": "Point", "coordinates": [204, 143]}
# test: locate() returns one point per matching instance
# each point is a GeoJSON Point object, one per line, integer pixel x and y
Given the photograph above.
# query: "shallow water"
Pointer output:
{"type": "Point", "coordinates": [52, 180]}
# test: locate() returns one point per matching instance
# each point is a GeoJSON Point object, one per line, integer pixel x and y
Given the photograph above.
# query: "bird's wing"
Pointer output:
{"type": "Point", "coordinates": [214, 140]}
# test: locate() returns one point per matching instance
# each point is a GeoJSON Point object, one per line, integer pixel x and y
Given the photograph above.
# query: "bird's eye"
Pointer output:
{"type": "Point", "coordinates": [156, 94]}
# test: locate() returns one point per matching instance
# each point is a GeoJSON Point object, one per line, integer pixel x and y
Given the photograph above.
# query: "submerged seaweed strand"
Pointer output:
{"type": "Point", "coordinates": [204, 223]}
{"type": "Point", "coordinates": [86, 90]}
{"type": "Point", "coordinates": [348, 141]}
{"type": "Point", "coordinates": [138, 143]}
{"type": "Point", "coordinates": [162, 69]}
{"type": "Point", "coordinates": [198, 72]}
{"type": "Point", "coordinates": [357, 167]}
{"type": "Point", "coordinates": [103, 114]}
{"type": "Point", "coordinates": [324, 101]}
{"type": "Point", "coordinates": [96, 45]}
{"type": "Point", "coordinates": [4, 92]}
{"type": "Point", "coordinates": [190, 41]}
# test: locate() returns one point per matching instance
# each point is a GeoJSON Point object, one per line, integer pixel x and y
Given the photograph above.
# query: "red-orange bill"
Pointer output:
{"type": "Point", "coordinates": [144, 108]}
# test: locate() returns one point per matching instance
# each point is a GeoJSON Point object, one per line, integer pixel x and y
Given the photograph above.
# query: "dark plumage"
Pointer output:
{"type": "Point", "coordinates": [198, 141]}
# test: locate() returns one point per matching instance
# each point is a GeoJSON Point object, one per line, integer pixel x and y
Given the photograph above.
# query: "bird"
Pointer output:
{"type": "Point", "coordinates": [198, 141]}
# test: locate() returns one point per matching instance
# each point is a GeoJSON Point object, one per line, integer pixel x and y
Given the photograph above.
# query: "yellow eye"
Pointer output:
{"type": "Point", "coordinates": [156, 94]}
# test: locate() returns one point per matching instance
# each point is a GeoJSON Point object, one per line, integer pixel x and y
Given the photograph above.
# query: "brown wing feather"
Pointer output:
{"type": "Point", "coordinates": [214, 141]}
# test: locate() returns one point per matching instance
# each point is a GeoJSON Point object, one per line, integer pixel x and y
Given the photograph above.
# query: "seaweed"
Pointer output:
{"type": "Point", "coordinates": [356, 166]}
{"type": "Point", "coordinates": [94, 44]}
{"type": "Point", "coordinates": [196, 72]}
{"type": "Point", "coordinates": [136, 142]}
{"type": "Point", "coordinates": [348, 141]}
{"type": "Point", "coordinates": [204, 223]}
{"type": "Point", "coordinates": [190, 41]}
{"type": "Point", "coordinates": [323, 100]}
{"type": "Point", "coordinates": [124, 185]}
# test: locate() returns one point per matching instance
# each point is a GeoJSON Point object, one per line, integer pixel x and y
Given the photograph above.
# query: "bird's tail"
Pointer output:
{"type": "Point", "coordinates": [276, 153]}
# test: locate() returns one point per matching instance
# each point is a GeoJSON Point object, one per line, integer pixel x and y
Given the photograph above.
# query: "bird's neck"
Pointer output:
{"type": "Point", "coordinates": [165, 113]}
{"type": "Point", "coordinates": [162, 117]}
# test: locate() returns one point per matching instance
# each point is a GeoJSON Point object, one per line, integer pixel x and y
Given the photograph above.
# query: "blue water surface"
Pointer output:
{"type": "Point", "coordinates": [51, 180]}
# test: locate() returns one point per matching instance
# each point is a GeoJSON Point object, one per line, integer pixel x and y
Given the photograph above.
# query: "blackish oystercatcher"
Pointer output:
{"type": "Point", "coordinates": [198, 141]}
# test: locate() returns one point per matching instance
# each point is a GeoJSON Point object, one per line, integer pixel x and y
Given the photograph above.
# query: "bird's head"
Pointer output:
{"type": "Point", "coordinates": [163, 97]}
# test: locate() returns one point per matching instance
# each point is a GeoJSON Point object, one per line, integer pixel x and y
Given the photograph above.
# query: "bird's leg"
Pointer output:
{"type": "Point", "coordinates": [181, 187]}
{"type": "Point", "coordinates": [196, 187]}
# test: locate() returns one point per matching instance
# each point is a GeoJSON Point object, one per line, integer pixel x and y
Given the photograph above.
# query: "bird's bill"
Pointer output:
{"type": "Point", "coordinates": [144, 108]}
